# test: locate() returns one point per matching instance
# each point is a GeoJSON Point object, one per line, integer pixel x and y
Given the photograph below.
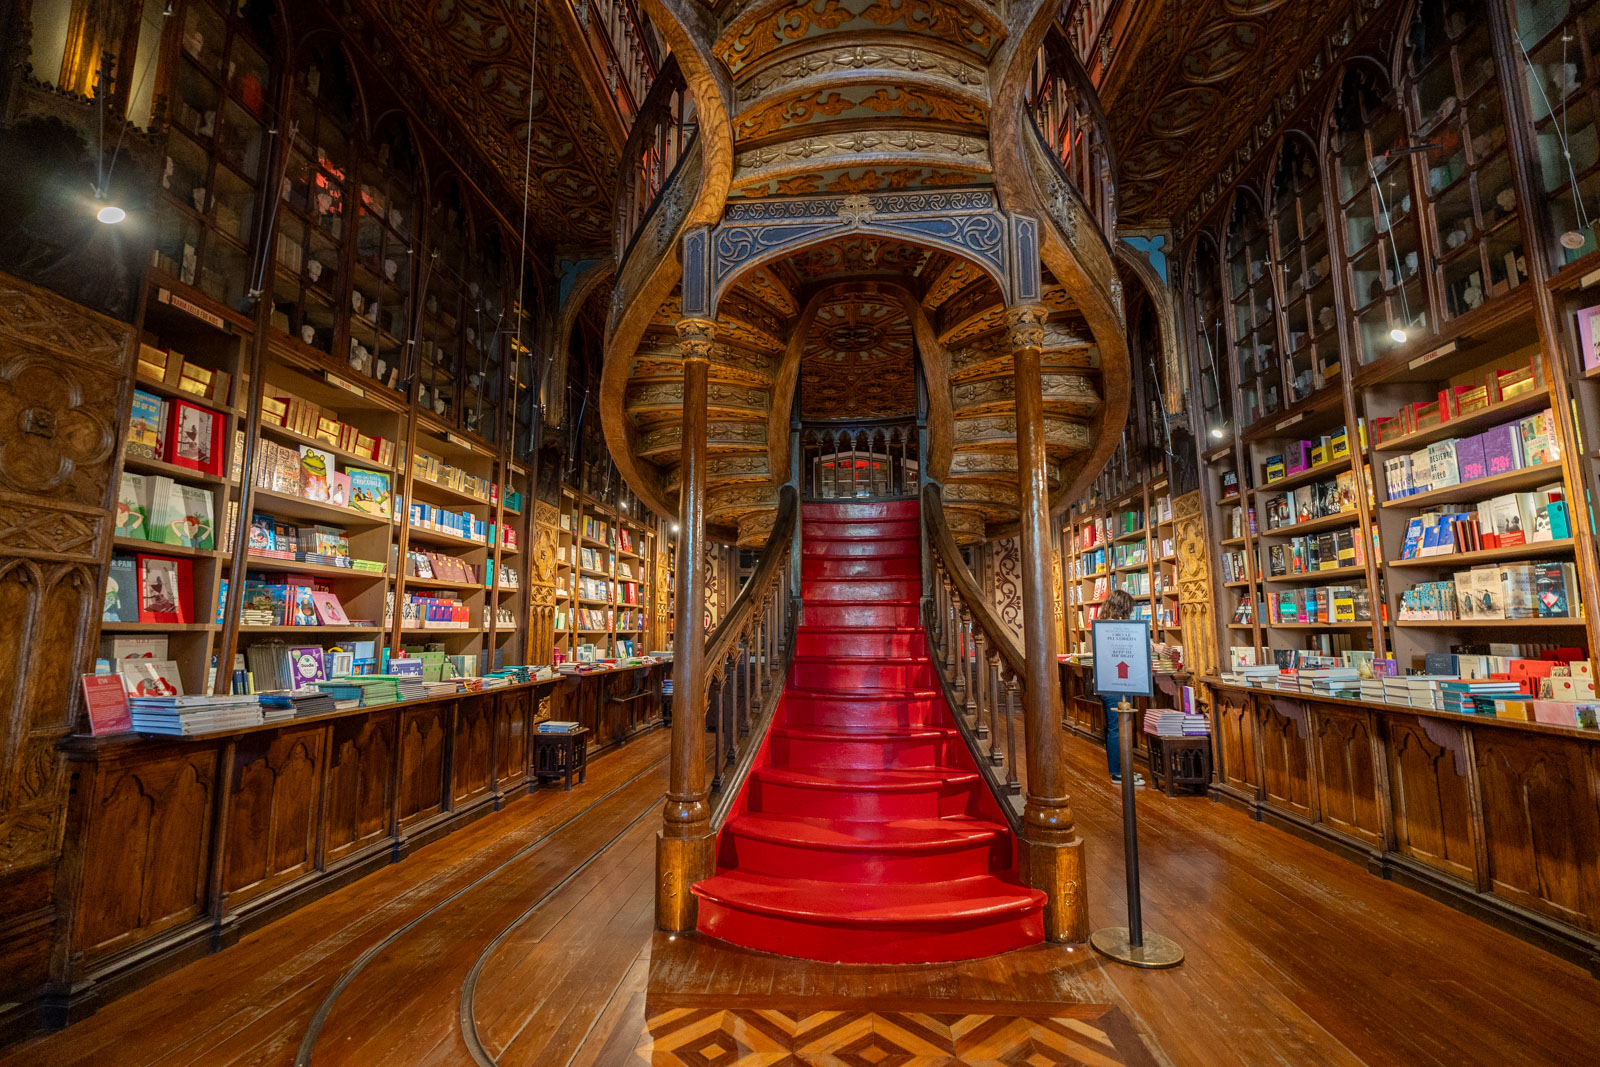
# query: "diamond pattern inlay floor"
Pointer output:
{"type": "Point", "coordinates": [711, 1031]}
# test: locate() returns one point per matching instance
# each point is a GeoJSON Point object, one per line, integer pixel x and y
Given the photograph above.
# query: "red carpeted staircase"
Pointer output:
{"type": "Point", "coordinates": [864, 833]}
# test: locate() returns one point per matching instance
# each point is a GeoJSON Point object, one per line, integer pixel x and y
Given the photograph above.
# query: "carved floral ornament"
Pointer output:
{"type": "Point", "coordinates": [773, 29]}
{"type": "Point", "coordinates": [47, 431]}
{"type": "Point", "coordinates": [875, 56]}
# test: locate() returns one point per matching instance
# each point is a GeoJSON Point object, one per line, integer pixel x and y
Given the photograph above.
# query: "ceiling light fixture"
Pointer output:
{"type": "Point", "coordinates": [1216, 431]}
{"type": "Point", "coordinates": [1398, 335]}
{"type": "Point", "coordinates": [674, 527]}
{"type": "Point", "coordinates": [110, 214]}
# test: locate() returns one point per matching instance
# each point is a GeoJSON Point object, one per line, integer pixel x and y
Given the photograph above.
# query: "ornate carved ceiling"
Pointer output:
{"type": "Point", "coordinates": [857, 358]}
{"type": "Point", "coordinates": [1193, 81]}
{"type": "Point", "coordinates": [472, 57]}
{"type": "Point", "coordinates": [848, 96]}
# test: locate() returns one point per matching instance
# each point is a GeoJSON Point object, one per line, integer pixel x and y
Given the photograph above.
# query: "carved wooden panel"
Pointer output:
{"type": "Point", "coordinates": [1429, 793]}
{"type": "Point", "coordinates": [1194, 584]}
{"type": "Point", "coordinates": [423, 732]}
{"type": "Point", "coordinates": [1285, 762]}
{"type": "Point", "coordinates": [1347, 781]}
{"type": "Point", "coordinates": [63, 382]}
{"type": "Point", "coordinates": [273, 810]}
{"type": "Point", "coordinates": [144, 863]}
{"type": "Point", "coordinates": [1236, 740]}
{"type": "Point", "coordinates": [360, 789]}
{"type": "Point", "coordinates": [472, 762]}
{"type": "Point", "coordinates": [1541, 823]}
{"type": "Point", "coordinates": [512, 725]}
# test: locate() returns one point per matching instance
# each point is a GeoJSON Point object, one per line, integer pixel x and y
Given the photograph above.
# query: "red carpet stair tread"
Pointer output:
{"type": "Point", "coordinates": [865, 833]}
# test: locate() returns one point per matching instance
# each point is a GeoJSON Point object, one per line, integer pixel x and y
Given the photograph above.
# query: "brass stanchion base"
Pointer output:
{"type": "Point", "coordinates": [1155, 953]}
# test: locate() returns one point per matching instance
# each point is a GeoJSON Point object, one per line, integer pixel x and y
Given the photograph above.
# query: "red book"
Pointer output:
{"type": "Point", "coordinates": [106, 699]}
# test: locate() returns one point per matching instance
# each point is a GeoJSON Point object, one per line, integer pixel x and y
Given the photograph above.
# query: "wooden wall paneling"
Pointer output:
{"type": "Point", "coordinates": [359, 812]}
{"type": "Point", "coordinates": [145, 853]}
{"type": "Point", "coordinates": [1286, 764]}
{"type": "Point", "coordinates": [424, 734]}
{"type": "Point", "coordinates": [472, 751]}
{"type": "Point", "coordinates": [1236, 743]}
{"type": "Point", "coordinates": [512, 727]}
{"type": "Point", "coordinates": [1542, 823]}
{"type": "Point", "coordinates": [1430, 795]}
{"type": "Point", "coordinates": [1346, 776]}
{"type": "Point", "coordinates": [272, 828]}
{"type": "Point", "coordinates": [64, 386]}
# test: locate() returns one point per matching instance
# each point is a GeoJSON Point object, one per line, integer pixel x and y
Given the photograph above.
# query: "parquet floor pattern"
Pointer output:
{"type": "Point", "coordinates": [742, 1032]}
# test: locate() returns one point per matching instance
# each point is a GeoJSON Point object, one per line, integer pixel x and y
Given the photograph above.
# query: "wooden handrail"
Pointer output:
{"type": "Point", "coordinates": [979, 661]}
{"type": "Point", "coordinates": [1066, 112]}
{"type": "Point", "coordinates": [948, 558]}
{"type": "Point", "coordinates": [664, 130]}
{"type": "Point", "coordinates": [774, 555]}
{"type": "Point", "coordinates": [747, 658]}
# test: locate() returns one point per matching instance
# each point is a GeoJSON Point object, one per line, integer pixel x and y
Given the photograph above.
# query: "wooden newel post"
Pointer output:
{"type": "Point", "coordinates": [683, 850]}
{"type": "Point", "coordinates": [1052, 851]}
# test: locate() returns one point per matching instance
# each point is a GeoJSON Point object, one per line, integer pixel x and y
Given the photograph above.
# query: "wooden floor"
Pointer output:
{"type": "Point", "coordinates": [526, 939]}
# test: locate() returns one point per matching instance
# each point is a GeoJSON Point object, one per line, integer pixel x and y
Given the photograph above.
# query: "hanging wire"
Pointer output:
{"type": "Point", "coordinates": [1561, 125]}
{"type": "Point", "coordinates": [522, 243]}
{"type": "Point", "coordinates": [1394, 253]}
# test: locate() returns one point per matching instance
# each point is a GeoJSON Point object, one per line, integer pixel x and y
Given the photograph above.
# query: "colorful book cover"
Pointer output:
{"type": "Point", "coordinates": [166, 589]}
{"type": "Point", "coordinates": [133, 506]}
{"type": "Point", "coordinates": [339, 489]}
{"type": "Point", "coordinates": [1502, 449]}
{"type": "Point", "coordinates": [329, 610]}
{"type": "Point", "coordinates": [1508, 521]}
{"type": "Point", "coordinates": [146, 426]}
{"type": "Point", "coordinates": [151, 677]}
{"type": "Point", "coordinates": [316, 465]}
{"type": "Point", "coordinates": [1588, 337]}
{"type": "Point", "coordinates": [305, 608]}
{"type": "Point", "coordinates": [369, 491]}
{"type": "Point", "coordinates": [196, 525]}
{"type": "Point", "coordinates": [261, 533]}
{"type": "Point", "coordinates": [1443, 468]}
{"type": "Point", "coordinates": [105, 697]}
{"type": "Point", "coordinates": [165, 522]}
{"type": "Point", "coordinates": [122, 591]}
{"type": "Point", "coordinates": [1470, 460]}
{"type": "Point", "coordinates": [305, 667]}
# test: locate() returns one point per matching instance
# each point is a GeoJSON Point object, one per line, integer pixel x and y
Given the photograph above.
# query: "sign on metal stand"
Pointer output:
{"type": "Point", "coordinates": [1122, 668]}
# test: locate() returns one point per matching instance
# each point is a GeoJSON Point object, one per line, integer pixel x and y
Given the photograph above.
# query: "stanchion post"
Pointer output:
{"type": "Point", "coordinates": [1129, 944]}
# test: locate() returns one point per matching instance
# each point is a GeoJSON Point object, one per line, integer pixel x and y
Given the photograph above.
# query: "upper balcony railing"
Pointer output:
{"type": "Point", "coordinates": [1066, 112]}
{"type": "Point", "coordinates": [662, 134]}
{"type": "Point", "coordinates": [625, 47]}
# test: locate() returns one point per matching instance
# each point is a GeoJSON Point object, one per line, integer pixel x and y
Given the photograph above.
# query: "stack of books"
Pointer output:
{"type": "Point", "coordinates": [368, 690]}
{"type": "Point", "coordinates": [1344, 682]}
{"type": "Point", "coordinates": [406, 686]}
{"type": "Point", "coordinates": [556, 726]}
{"type": "Point", "coordinates": [1165, 722]}
{"type": "Point", "coordinates": [1472, 697]}
{"type": "Point", "coordinates": [186, 716]}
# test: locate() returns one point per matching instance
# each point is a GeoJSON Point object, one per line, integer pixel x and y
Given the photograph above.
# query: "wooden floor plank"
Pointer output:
{"type": "Point", "coordinates": [1294, 956]}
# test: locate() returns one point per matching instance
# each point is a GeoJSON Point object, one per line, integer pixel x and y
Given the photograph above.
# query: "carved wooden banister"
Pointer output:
{"type": "Point", "coordinates": [747, 657]}
{"type": "Point", "coordinates": [658, 143]}
{"type": "Point", "coordinates": [1067, 115]}
{"type": "Point", "coordinates": [978, 656]}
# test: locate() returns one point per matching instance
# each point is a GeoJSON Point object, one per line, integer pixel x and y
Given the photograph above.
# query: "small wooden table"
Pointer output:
{"type": "Point", "coordinates": [557, 756]}
{"type": "Point", "coordinates": [1176, 761]}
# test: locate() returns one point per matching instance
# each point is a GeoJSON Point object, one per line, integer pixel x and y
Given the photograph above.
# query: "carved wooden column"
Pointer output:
{"type": "Point", "coordinates": [1195, 590]}
{"type": "Point", "coordinates": [542, 580]}
{"type": "Point", "coordinates": [683, 851]}
{"type": "Point", "coordinates": [1052, 851]}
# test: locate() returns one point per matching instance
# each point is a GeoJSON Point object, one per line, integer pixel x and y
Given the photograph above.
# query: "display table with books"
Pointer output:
{"type": "Point", "coordinates": [272, 806]}
{"type": "Point", "coordinates": [1496, 813]}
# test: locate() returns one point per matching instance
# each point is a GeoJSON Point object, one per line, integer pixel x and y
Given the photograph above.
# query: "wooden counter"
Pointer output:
{"type": "Point", "coordinates": [1497, 817]}
{"type": "Point", "coordinates": [175, 846]}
